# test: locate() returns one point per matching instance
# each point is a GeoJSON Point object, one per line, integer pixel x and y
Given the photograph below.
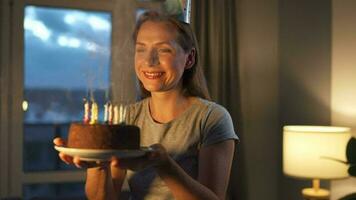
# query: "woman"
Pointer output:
{"type": "Point", "coordinates": [193, 138]}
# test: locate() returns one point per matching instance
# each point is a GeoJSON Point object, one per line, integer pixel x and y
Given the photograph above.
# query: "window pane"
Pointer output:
{"type": "Point", "coordinates": [67, 56]}
{"type": "Point", "coordinates": [73, 191]}
{"type": "Point", "coordinates": [62, 191]}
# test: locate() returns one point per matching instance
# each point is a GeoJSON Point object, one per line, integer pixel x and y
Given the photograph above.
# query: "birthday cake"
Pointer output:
{"type": "Point", "coordinates": [113, 133]}
{"type": "Point", "coordinates": [103, 136]}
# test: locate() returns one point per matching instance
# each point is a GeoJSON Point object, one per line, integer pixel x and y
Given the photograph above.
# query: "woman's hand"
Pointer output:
{"type": "Point", "coordinates": [76, 160]}
{"type": "Point", "coordinates": [104, 180]}
{"type": "Point", "coordinates": [157, 157]}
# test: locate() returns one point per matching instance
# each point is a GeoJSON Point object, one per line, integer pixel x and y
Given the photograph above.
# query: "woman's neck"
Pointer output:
{"type": "Point", "coordinates": [166, 106]}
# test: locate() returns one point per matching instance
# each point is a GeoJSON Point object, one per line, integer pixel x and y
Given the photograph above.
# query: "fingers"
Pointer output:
{"type": "Point", "coordinates": [82, 164]}
{"type": "Point", "coordinates": [157, 146]}
{"type": "Point", "coordinates": [77, 162]}
{"type": "Point", "coordinates": [114, 162]}
{"type": "Point", "coordinates": [59, 141]}
{"type": "Point", "coordinates": [89, 164]}
{"type": "Point", "coordinates": [136, 163]}
{"type": "Point", "coordinates": [132, 163]}
{"type": "Point", "coordinates": [154, 154]}
{"type": "Point", "coordinates": [157, 156]}
{"type": "Point", "coordinates": [158, 152]}
{"type": "Point", "coordinates": [65, 158]}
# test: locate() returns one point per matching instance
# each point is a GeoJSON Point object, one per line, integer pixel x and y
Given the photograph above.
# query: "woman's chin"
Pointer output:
{"type": "Point", "coordinates": [153, 88]}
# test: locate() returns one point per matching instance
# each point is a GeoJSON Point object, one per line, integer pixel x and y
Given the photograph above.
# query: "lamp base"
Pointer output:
{"type": "Point", "coordinates": [311, 193]}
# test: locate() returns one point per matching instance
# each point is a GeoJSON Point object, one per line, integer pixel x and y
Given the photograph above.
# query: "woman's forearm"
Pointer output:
{"type": "Point", "coordinates": [99, 184]}
{"type": "Point", "coordinates": [181, 184]}
{"type": "Point", "coordinates": [118, 176]}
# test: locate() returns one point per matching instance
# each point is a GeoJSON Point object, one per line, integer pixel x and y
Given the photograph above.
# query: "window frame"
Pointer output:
{"type": "Point", "coordinates": [12, 83]}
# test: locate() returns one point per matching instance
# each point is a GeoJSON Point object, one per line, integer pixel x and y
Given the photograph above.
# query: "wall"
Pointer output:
{"type": "Point", "coordinates": [4, 99]}
{"type": "Point", "coordinates": [258, 71]}
{"type": "Point", "coordinates": [285, 78]}
{"type": "Point", "coordinates": [343, 89]}
{"type": "Point", "coordinates": [305, 72]}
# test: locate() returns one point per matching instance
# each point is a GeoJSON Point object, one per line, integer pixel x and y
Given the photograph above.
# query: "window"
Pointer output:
{"type": "Point", "coordinates": [54, 54]}
{"type": "Point", "coordinates": [61, 190]}
{"type": "Point", "coordinates": [67, 58]}
{"type": "Point", "coordinates": [49, 49]}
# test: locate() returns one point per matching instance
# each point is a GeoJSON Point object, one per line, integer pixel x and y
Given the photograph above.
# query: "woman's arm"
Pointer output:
{"type": "Point", "coordinates": [215, 166]}
{"type": "Point", "coordinates": [118, 177]}
{"type": "Point", "coordinates": [214, 172]}
{"type": "Point", "coordinates": [99, 185]}
{"type": "Point", "coordinates": [104, 182]}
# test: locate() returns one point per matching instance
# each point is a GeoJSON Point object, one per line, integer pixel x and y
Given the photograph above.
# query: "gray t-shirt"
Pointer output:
{"type": "Point", "coordinates": [204, 123]}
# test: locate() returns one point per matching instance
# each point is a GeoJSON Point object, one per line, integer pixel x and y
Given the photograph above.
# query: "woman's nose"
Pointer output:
{"type": "Point", "coordinates": [152, 58]}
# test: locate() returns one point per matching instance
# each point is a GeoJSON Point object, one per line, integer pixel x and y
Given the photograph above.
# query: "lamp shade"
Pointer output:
{"type": "Point", "coordinates": [315, 151]}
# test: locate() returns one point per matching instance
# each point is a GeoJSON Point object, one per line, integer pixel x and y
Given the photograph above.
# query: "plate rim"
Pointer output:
{"type": "Point", "coordinates": [64, 148]}
{"type": "Point", "coordinates": [99, 154]}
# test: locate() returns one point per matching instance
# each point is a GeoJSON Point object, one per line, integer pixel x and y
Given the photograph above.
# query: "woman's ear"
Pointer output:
{"type": "Point", "coordinates": [190, 59]}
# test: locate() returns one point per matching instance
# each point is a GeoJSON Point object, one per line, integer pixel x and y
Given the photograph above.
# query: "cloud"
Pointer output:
{"type": "Point", "coordinates": [66, 48]}
{"type": "Point", "coordinates": [52, 18]}
{"type": "Point", "coordinates": [68, 27]}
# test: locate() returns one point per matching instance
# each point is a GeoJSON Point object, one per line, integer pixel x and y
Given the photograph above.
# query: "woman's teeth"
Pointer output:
{"type": "Point", "coordinates": [153, 75]}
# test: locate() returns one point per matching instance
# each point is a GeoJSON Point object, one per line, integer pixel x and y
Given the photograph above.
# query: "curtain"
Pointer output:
{"type": "Point", "coordinates": [215, 25]}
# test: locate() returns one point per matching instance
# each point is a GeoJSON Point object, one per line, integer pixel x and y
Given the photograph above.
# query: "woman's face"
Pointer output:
{"type": "Point", "coordinates": [159, 60]}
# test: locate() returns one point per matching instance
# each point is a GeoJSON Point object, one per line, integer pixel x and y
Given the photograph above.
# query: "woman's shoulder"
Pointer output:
{"type": "Point", "coordinates": [217, 124]}
{"type": "Point", "coordinates": [137, 104]}
{"type": "Point", "coordinates": [134, 110]}
{"type": "Point", "coordinates": [212, 107]}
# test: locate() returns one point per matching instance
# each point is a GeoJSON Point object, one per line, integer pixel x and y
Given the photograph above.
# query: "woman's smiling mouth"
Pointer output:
{"type": "Point", "coordinates": [153, 75]}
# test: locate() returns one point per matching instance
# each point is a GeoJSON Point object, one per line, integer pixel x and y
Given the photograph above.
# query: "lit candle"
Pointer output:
{"type": "Point", "coordinates": [86, 112]}
{"type": "Point", "coordinates": [116, 114]}
{"type": "Point", "coordinates": [94, 113]}
{"type": "Point", "coordinates": [110, 113]}
{"type": "Point", "coordinates": [121, 112]}
{"type": "Point", "coordinates": [123, 115]}
{"type": "Point", "coordinates": [106, 108]}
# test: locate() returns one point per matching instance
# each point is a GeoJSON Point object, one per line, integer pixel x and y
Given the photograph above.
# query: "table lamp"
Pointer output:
{"type": "Point", "coordinates": [315, 152]}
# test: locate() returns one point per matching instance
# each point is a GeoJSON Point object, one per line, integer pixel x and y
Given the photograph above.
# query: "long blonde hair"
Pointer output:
{"type": "Point", "coordinates": [194, 83]}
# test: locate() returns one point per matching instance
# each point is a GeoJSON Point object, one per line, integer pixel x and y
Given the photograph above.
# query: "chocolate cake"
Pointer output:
{"type": "Point", "coordinates": [103, 136]}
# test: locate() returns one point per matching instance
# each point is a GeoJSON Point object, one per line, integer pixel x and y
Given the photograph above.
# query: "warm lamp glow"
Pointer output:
{"type": "Point", "coordinates": [311, 151]}
{"type": "Point", "coordinates": [315, 152]}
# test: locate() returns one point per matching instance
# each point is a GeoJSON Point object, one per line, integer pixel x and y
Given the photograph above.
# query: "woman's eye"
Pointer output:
{"type": "Point", "coordinates": [165, 50]}
{"type": "Point", "coordinates": [140, 50]}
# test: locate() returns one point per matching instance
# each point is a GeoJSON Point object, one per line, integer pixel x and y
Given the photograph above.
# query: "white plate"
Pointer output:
{"type": "Point", "coordinates": [102, 154]}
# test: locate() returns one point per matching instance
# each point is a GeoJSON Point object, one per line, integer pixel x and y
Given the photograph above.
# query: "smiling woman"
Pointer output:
{"type": "Point", "coordinates": [158, 62]}
{"type": "Point", "coordinates": [192, 139]}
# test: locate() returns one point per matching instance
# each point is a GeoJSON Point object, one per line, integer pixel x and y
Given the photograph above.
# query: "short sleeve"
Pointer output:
{"type": "Point", "coordinates": [218, 126]}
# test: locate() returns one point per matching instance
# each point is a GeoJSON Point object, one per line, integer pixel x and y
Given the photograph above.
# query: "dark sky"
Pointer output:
{"type": "Point", "coordinates": [66, 48]}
